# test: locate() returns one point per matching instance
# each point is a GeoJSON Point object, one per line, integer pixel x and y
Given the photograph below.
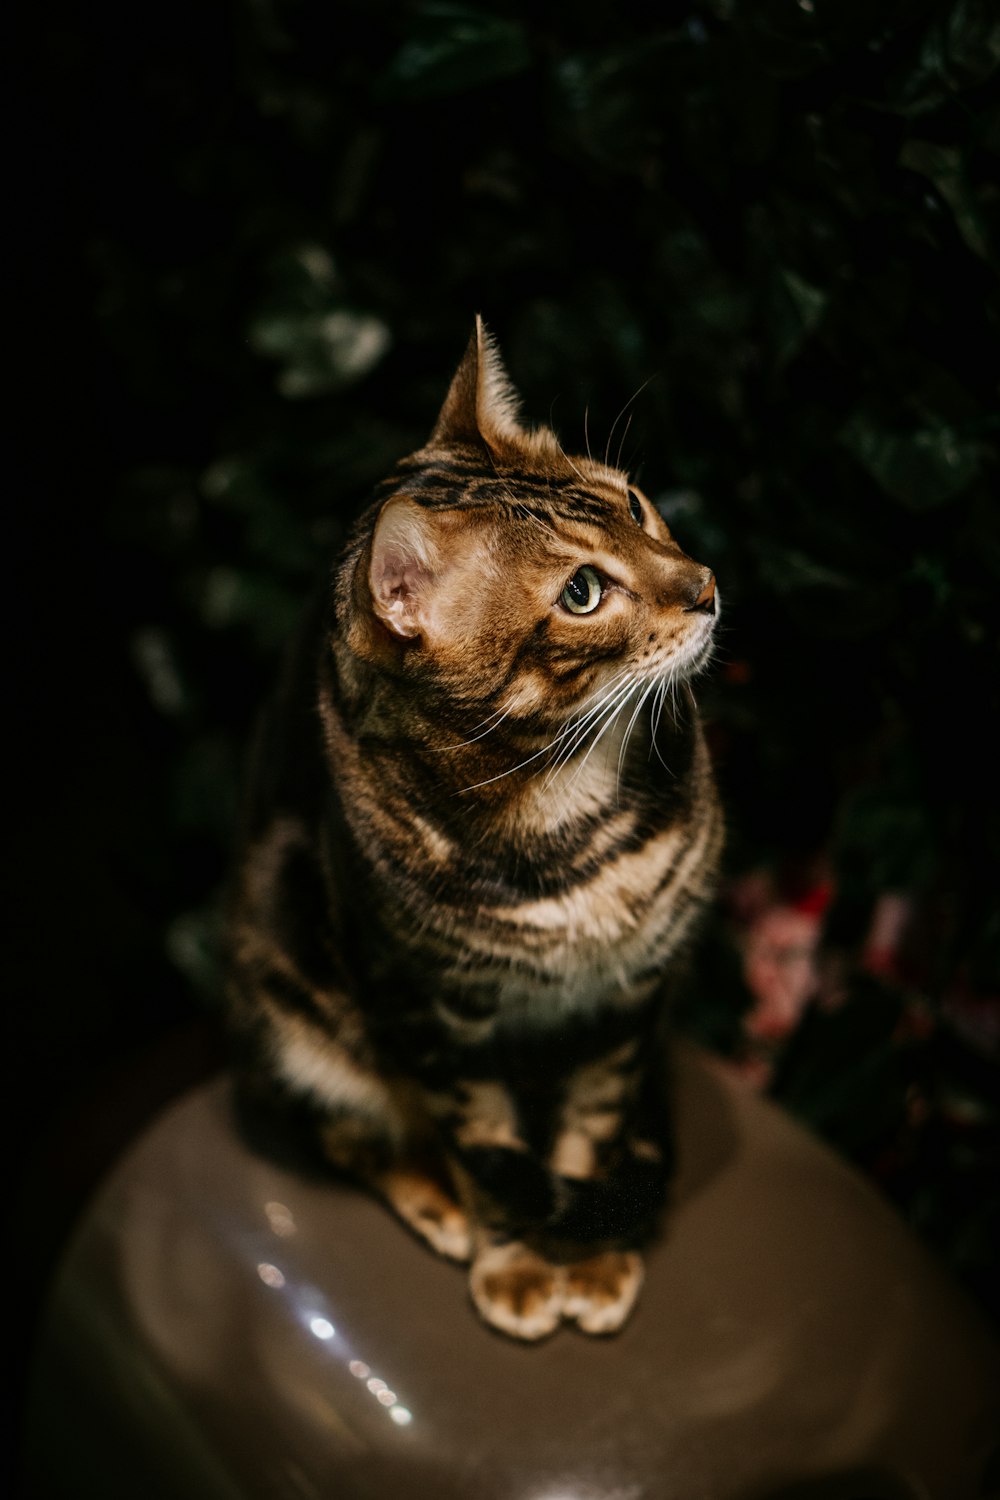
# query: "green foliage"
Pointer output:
{"type": "Point", "coordinates": [451, 49]}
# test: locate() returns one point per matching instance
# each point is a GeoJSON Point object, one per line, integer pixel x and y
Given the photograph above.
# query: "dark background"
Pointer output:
{"type": "Point", "coordinates": [256, 237]}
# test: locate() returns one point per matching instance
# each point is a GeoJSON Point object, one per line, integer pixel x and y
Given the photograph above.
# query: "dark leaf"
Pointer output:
{"type": "Point", "coordinates": [795, 310]}
{"type": "Point", "coordinates": [921, 469]}
{"type": "Point", "coordinates": [455, 48]}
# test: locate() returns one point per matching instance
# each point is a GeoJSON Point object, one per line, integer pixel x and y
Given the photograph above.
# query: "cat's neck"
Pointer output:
{"type": "Point", "coordinates": [480, 767]}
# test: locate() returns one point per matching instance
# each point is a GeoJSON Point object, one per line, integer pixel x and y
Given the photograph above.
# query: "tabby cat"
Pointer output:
{"type": "Point", "coordinates": [481, 827]}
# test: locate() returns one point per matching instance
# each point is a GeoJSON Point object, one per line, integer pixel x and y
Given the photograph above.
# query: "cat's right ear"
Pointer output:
{"type": "Point", "coordinates": [481, 406]}
{"type": "Point", "coordinates": [404, 568]}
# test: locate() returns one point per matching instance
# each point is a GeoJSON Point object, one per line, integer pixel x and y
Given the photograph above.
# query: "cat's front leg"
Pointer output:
{"type": "Point", "coordinates": [506, 1188]}
{"type": "Point", "coordinates": [508, 1194]}
{"type": "Point", "coordinates": [612, 1155]}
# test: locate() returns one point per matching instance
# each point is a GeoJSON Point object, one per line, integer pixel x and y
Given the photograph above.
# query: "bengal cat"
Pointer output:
{"type": "Point", "coordinates": [481, 827]}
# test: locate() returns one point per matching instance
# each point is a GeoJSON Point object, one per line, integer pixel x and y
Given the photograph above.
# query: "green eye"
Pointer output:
{"type": "Point", "coordinates": [583, 592]}
{"type": "Point", "coordinates": [635, 507]}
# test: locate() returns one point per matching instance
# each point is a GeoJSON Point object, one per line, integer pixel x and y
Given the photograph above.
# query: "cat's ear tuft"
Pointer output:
{"type": "Point", "coordinates": [481, 405]}
{"type": "Point", "coordinates": [404, 565]}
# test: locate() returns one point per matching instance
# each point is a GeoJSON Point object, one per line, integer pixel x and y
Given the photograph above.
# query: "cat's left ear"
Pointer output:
{"type": "Point", "coordinates": [407, 563]}
{"type": "Point", "coordinates": [481, 405]}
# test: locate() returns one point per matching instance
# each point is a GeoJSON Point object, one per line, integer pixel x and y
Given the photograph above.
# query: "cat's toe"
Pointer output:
{"type": "Point", "coordinates": [448, 1233]}
{"type": "Point", "coordinates": [428, 1210]}
{"type": "Point", "coordinates": [601, 1291]}
{"type": "Point", "coordinates": [446, 1230]}
{"type": "Point", "coordinates": [517, 1291]}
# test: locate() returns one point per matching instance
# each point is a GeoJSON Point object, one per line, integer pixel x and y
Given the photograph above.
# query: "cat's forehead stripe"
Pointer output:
{"type": "Point", "coordinates": [447, 485]}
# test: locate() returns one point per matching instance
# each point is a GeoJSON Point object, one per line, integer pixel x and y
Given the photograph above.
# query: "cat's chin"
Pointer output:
{"type": "Point", "coordinates": [693, 657]}
{"type": "Point", "coordinates": [703, 657]}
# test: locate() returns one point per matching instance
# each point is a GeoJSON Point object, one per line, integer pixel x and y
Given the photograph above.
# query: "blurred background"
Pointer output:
{"type": "Point", "coordinates": [751, 241]}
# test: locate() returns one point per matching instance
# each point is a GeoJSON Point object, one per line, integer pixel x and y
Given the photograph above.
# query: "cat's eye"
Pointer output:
{"type": "Point", "coordinates": [635, 507]}
{"type": "Point", "coordinates": [583, 592]}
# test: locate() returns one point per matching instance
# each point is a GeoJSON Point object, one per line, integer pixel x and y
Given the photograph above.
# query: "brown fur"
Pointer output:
{"type": "Point", "coordinates": [481, 829]}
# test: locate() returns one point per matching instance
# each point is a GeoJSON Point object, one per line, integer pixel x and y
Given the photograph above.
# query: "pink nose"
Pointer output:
{"type": "Point", "coordinates": [706, 599]}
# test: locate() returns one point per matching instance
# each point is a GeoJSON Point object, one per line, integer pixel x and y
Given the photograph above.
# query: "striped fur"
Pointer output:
{"type": "Point", "coordinates": [481, 829]}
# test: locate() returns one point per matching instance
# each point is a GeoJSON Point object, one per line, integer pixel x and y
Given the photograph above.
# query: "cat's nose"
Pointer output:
{"type": "Point", "coordinates": [705, 601]}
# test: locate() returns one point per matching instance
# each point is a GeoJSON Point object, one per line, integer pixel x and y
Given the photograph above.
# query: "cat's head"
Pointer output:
{"type": "Point", "coordinates": [506, 572]}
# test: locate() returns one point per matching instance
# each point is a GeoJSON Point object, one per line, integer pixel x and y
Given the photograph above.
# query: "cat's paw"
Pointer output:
{"type": "Point", "coordinates": [601, 1291]}
{"type": "Point", "coordinates": [517, 1291]}
{"type": "Point", "coordinates": [428, 1210]}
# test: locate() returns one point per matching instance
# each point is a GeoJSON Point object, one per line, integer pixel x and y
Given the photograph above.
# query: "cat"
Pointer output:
{"type": "Point", "coordinates": [481, 827]}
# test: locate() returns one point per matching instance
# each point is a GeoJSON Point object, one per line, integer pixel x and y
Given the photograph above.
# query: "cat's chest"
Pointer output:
{"type": "Point", "coordinates": [596, 941]}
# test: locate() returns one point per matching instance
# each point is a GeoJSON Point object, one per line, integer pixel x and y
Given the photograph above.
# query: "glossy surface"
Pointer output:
{"type": "Point", "coordinates": [227, 1327]}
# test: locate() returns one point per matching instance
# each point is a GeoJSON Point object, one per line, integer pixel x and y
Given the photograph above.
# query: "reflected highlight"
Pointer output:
{"type": "Point", "coordinates": [279, 1216]}
{"type": "Point", "coordinates": [304, 1299]}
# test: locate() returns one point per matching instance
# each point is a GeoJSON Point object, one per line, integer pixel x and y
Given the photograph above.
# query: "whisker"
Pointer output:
{"type": "Point", "coordinates": [582, 477]}
{"type": "Point", "coordinates": [654, 717]}
{"type": "Point", "coordinates": [628, 735]}
{"type": "Point", "coordinates": [579, 725]}
{"type": "Point", "coordinates": [476, 737]}
{"type": "Point", "coordinates": [577, 729]}
{"type": "Point", "coordinates": [621, 444]}
{"type": "Point", "coordinates": [628, 403]}
{"type": "Point", "coordinates": [608, 691]}
{"type": "Point", "coordinates": [575, 733]}
{"type": "Point", "coordinates": [661, 696]}
{"type": "Point", "coordinates": [609, 719]}
{"type": "Point", "coordinates": [526, 514]}
{"type": "Point", "coordinates": [509, 772]}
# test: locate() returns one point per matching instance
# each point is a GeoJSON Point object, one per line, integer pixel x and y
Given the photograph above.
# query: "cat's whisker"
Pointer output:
{"type": "Point", "coordinates": [621, 443]}
{"type": "Point", "coordinates": [614, 718]}
{"type": "Point", "coordinates": [582, 477]}
{"type": "Point", "coordinates": [628, 731]}
{"type": "Point", "coordinates": [517, 505]}
{"type": "Point", "coordinates": [592, 704]}
{"type": "Point", "coordinates": [628, 403]}
{"type": "Point", "coordinates": [628, 735]}
{"type": "Point", "coordinates": [575, 732]}
{"type": "Point", "coordinates": [609, 719]}
{"type": "Point", "coordinates": [510, 771]}
{"type": "Point", "coordinates": [586, 434]}
{"type": "Point", "coordinates": [664, 688]}
{"type": "Point", "coordinates": [521, 510]}
{"type": "Point", "coordinates": [536, 756]}
{"type": "Point", "coordinates": [654, 717]}
{"type": "Point", "coordinates": [499, 714]}
{"type": "Point", "coordinates": [609, 703]}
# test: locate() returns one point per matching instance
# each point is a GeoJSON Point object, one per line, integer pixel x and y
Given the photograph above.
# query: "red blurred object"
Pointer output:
{"type": "Point", "coordinates": [779, 950]}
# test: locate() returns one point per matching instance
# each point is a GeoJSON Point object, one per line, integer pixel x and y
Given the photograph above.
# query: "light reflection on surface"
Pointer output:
{"type": "Point", "coordinates": [321, 1327]}
{"type": "Point", "coordinates": [280, 1218]}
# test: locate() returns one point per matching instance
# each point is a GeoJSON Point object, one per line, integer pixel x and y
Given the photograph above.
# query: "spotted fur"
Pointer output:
{"type": "Point", "coordinates": [481, 829]}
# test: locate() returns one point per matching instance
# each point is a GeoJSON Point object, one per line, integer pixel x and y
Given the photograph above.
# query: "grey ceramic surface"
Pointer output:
{"type": "Point", "coordinates": [225, 1327]}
